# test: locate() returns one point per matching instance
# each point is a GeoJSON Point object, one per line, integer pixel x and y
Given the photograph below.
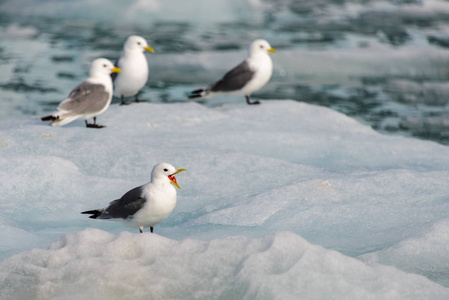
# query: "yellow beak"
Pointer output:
{"type": "Point", "coordinates": [173, 178]}
{"type": "Point", "coordinates": [272, 50]}
{"type": "Point", "coordinates": [179, 170]}
{"type": "Point", "coordinates": [148, 48]}
{"type": "Point", "coordinates": [116, 70]}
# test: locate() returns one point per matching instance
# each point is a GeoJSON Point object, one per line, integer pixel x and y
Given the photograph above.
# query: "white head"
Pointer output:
{"type": "Point", "coordinates": [165, 172]}
{"type": "Point", "coordinates": [136, 43]}
{"type": "Point", "coordinates": [260, 47]}
{"type": "Point", "coordinates": [102, 67]}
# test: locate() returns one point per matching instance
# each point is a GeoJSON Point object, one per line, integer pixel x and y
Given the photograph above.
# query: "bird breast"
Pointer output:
{"type": "Point", "coordinates": [134, 64]}
{"type": "Point", "coordinates": [134, 75]}
{"type": "Point", "coordinates": [160, 202]}
{"type": "Point", "coordinates": [263, 68]}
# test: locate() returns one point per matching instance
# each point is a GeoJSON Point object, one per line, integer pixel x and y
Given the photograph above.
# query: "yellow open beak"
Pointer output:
{"type": "Point", "coordinates": [272, 50]}
{"type": "Point", "coordinates": [148, 48]}
{"type": "Point", "coordinates": [173, 178]}
{"type": "Point", "coordinates": [116, 70]}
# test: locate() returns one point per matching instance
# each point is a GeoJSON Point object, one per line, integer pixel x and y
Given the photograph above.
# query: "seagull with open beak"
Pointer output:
{"type": "Point", "coordinates": [145, 205]}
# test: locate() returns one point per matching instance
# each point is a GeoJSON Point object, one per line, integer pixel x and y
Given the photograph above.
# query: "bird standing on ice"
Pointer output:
{"type": "Point", "coordinates": [134, 66]}
{"type": "Point", "coordinates": [146, 205]}
{"type": "Point", "coordinates": [246, 78]}
{"type": "Point", "coordinates": [89, 99]}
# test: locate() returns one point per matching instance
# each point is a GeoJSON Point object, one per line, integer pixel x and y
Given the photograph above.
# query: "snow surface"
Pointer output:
{"type": "Point", "coordinates": [281, 201]}
{"type": "Point", "coordinates": [94, 264]}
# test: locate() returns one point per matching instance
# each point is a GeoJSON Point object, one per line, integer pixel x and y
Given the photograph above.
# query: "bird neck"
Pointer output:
{"type": "Point", "coordinates": [259, 55]}
{"type": "Point", "coordinates": [131, 52]}
{"type": "Point", "coordinates": [158, 181]}
{"type": "Point", "coordinates": [99, 77]}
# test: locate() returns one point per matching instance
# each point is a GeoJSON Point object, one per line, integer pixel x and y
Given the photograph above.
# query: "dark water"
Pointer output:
{"type": "Point", "coordinates": [385, 63]}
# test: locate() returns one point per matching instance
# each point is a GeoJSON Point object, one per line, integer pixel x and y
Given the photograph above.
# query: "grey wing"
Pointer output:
{"type": "Point", "coordinates": [235, 79]}
{"type": "Point", "coordinates": [86, 98]}
{"type": "Point", "coordinates": [126, 206]}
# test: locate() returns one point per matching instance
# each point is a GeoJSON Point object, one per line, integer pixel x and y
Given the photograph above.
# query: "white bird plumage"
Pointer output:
{"type": "Point", "coordinates": [88, 99]}
{"type": "Point", "coordinates": [134, 66]}
{"type": "Point", "coordinates": [246, 78]}
{"type": "Point", "coordinates": [145, 205]}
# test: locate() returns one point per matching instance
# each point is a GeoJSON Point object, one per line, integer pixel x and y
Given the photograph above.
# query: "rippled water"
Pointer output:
{"type": "Point", "coordinates": [385, 63]}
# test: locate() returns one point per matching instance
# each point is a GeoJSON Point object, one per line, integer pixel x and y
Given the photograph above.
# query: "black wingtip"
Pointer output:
{"type": "Point", "coordinates": [95, 213]}
{"type": "Point", "coordinates": [196, 94]}
{"type": "Point", "coordinates": [49, 118]}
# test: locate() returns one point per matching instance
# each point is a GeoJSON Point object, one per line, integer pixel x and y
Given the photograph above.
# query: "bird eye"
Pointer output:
{"type": "Point", "coordinates": [139, 43]}
{"type": "Point", "coordinates": [105, 65]}
{"type": "Point", "coordinates": [165, 170]}
{"type": "Point", "coordinates": [261, 46]}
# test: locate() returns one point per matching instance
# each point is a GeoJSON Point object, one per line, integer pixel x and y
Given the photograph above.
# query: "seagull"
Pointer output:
{"type": "Point", "coordinates": [246, 78]}
{"type": "Point", "coordinates": [134, 66]}
{"type": "Point", "coordinates": [145, 205]}
{"type": "Point", "coordinates": [89, 99]}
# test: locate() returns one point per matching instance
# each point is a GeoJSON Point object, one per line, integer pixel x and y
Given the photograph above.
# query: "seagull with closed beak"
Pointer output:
{"type": "Point", "coordinates": [134, 66]}
{"type": "Point", "coordinates": [249, 76]}
{"type": "Point", "coordinates": [89, 99]}
{"type": "Point", "coordinates": [145, 205]}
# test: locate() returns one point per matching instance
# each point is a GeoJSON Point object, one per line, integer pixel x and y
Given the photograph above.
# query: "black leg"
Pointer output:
{"type": "Point", "coordinates": [123, 101]}
{"type": "Point", "coordinates": [141, 229]}
{"type": "Point", "coordinates": [94, 125]}
{"type": "Point", "coordinates": [151, 229]}
{"type": "Point", "coordinates": [137, 100]}
{"type": "Point", "coordinates": [249, 101]}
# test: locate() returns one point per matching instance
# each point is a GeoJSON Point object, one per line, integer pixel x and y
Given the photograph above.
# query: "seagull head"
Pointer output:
{"type": "Point", "coordinates": [137, 43]}
{"type": "Point", "coordinates": [103, 66]}
{"type": "Point", "coordinates": [260, 47]}
{"type": "Point", "coordinates": [164, 171]}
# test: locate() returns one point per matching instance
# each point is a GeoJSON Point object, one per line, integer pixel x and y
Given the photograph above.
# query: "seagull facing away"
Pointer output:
{"type": "Point", "coordinates": [134, 66]}
{"type": "Point", "coordinates": [249, 76]}
{"type": "Point", "coordinates": [89, 99]}
{"type": "Point", "coordinates": [145, 205]}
